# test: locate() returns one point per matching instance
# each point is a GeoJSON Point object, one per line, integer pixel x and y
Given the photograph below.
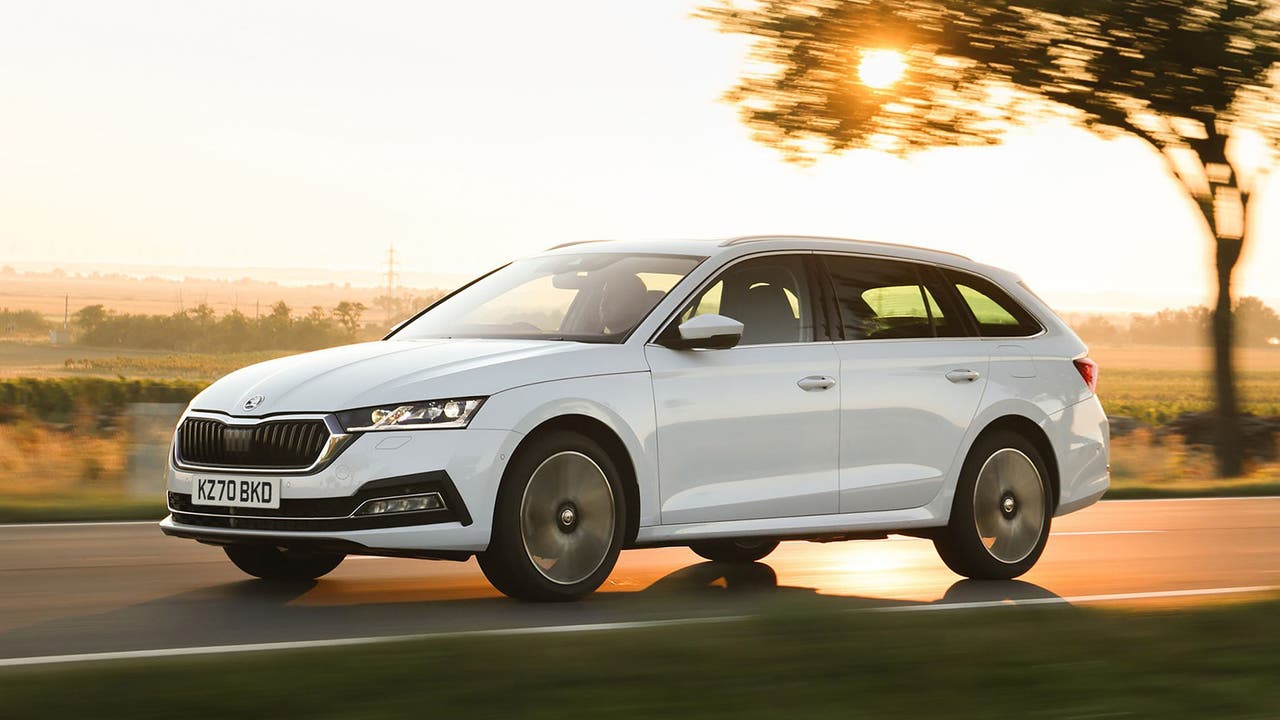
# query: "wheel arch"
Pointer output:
{"type": "Point", "coordinates": [1031, 430]}
{"type": "Point", "coordinates": [611, 443]}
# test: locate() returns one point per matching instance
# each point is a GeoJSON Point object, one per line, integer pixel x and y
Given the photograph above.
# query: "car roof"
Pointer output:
{"type": "Point", "coordinates": [746, 244]}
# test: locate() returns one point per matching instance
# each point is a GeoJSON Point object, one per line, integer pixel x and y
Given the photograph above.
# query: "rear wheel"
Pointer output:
{"type": "Point", "coordinates": [1002, 510]}
{"type": "Point", "coordinates": [272, 563]}
{"type": "Point", "coordinates": [559, 521]}
{"type": "Point", "coordinates": [746, 550]}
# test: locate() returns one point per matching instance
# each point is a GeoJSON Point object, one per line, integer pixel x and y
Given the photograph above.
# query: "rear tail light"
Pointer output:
{"type": "Point", "coordinates": [1088, 370]}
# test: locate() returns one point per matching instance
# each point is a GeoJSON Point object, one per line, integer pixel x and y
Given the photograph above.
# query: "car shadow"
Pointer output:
{"type": "Point", "coordinates": [256, 611]}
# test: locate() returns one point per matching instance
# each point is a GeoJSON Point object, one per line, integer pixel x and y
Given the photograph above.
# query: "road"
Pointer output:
{"type": "Point", "coordinates": [109, 588]}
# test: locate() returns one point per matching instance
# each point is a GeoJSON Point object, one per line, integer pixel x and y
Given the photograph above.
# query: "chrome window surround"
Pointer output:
{"type": "Point", "coordinates": [337, 439]}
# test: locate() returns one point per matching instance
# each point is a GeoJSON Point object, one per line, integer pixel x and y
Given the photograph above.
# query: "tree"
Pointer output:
{"type": "Point", "coordinates": [348, 316]}
{"type": "Point", "coordinates": [1186, 76]}
{"type": "Point", "coordinates": [90, 317]}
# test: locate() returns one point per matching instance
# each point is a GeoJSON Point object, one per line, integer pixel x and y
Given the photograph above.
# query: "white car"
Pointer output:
{"type": "Point", "coordinates": [721, 395]}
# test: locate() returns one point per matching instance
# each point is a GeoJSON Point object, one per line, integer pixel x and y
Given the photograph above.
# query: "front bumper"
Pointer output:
{"type": "Point", "coordinates": [464, 466]}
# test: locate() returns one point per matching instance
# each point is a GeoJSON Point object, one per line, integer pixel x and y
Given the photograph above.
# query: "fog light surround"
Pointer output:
{"type": "Point", "coordinates": [402, 504]}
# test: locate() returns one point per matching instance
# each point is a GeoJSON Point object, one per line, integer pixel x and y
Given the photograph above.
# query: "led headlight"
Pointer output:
{"type": "Point", "coordinates": [428, 414]}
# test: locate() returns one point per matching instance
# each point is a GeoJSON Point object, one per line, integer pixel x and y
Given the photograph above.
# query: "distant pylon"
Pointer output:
{"type": "Point", "coordinates": [391, 282]}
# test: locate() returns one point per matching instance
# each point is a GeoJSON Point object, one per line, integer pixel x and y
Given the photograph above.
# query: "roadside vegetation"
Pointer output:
{"type": "Point", "coordinates": [804, 659]}
{"type": "Point", "coordinates": [65, 437]}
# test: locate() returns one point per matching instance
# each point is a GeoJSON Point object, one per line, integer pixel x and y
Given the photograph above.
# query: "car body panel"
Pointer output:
{"type": "Point", "coordinates": [729, 455]}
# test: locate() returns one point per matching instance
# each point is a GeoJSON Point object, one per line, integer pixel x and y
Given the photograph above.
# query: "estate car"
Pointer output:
{"type": "Point", "coordinates": [600, 396]}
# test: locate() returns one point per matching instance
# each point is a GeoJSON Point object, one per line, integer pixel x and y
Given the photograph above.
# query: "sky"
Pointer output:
{"type": "Point", "coordinates": [315, 134]}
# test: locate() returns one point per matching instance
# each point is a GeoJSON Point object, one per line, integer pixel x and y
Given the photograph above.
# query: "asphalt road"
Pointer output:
{"type": "Point", "coordinates": [102, 588]}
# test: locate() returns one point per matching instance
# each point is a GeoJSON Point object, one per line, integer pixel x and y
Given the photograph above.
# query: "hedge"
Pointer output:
{"type": "Point", "coordinates": [52, 398]}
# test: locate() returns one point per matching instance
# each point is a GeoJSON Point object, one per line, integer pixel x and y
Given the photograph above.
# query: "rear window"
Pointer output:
{"type": "Point", "coordinates": [887, 299]}
{"type": "Point", "coordinates": [995, 313]}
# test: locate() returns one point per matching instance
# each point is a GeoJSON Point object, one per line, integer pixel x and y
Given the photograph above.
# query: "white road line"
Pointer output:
{"type": "Point", "coordinates": [1192, 499]}
{"type": "Point", "coordinates": [1106, 532]}
{"type": "Point", "coordinates": [1076, 599]}
{"type": "Point", "coordinates": [339, 642]}
{"type": "Point", "coordinates": [593, 627]}
{"type": "Point", "coordinates": [121, 523]}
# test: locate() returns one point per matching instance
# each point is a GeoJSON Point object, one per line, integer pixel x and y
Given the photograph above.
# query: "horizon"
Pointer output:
{"type": "Point", "coordinates": [1076, 303]}
{"type": "Point", "coordinates": [497, 139]}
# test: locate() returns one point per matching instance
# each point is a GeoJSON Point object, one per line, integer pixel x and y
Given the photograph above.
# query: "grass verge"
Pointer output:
{"type": "Point", "coordinates": [1223, 488]}
{"type": "Point", "coordinates": [14, 510]}
{"type": "Point", "coordinates": [793, 662]}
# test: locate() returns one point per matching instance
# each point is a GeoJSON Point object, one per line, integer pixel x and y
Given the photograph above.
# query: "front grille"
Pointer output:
{"type": "Point", "coordinates": [276, 445]}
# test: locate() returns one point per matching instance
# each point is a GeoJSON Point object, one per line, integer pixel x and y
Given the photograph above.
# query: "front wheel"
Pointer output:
{"type": "Point", "coordinates": [734, 551]}
{"type": "Point", "coordinates": [272, 563]}
{"type": "Point", "coordinates": [1002, 510]}
{"type": "Point", "coordinates": [559, 521]}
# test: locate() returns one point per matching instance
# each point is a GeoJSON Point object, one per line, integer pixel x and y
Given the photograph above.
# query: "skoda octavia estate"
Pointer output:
{"type": "Point", "coordinates": [720, 395]}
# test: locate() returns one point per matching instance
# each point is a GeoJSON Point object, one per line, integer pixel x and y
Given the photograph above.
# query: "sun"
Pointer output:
{"type": "Point", "coordinates": [881, 68]}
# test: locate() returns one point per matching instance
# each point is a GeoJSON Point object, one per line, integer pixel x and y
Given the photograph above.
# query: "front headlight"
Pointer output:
{"type": "Point", "coordinates": [428, 414]}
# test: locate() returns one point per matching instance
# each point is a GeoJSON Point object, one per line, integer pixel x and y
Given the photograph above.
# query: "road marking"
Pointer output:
{"type": "Point", "coordinates": [1106, 532]}
{"type": "Point", "coordinates": [1075, 599]}
{"type": "Point", "coordinates": [592, 627]}
{"type": "Point", "coordinates": [121, 523]}
{"type": "Point", "coordinates": [1192, 499]}
{"type": "Point", "coordinates": [371, 640]}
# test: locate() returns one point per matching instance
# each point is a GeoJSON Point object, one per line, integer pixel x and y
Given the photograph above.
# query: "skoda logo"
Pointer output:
{"type": "Point", "coordinates": [253, 402]}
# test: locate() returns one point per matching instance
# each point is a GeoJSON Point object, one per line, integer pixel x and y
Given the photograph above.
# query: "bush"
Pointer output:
{"type": "Point", "coordinates": [59, 398]}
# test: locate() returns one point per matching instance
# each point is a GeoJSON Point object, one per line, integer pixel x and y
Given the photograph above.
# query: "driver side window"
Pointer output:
{"type": "Point", "coordinates": [768, 295]}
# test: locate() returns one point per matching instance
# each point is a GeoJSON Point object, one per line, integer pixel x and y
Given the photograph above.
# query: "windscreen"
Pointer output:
{"type": "Point", "coordinates": [588, 297]}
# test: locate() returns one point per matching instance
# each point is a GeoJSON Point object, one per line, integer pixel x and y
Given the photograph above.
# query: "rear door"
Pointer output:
{"type": "Point", "coordinates": [911, 380]}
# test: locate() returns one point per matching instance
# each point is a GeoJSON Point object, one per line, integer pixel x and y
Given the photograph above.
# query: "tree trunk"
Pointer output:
{"type": "Point", "coordinates": [1228, 449]}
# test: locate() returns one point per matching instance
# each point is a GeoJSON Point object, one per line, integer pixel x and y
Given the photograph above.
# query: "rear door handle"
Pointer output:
{"type": "Point", "coordinates": [962, 376]}
{"type": "Point", "coordinates": [816, 382]}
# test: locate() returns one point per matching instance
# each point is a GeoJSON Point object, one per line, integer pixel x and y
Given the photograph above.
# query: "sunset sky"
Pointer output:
{"type": "Point", "coordinates": [314, 134]}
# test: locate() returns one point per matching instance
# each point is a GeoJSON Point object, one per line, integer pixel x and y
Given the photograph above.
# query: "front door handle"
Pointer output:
{"type": "Point", "coordinates": [962, 376]}
{"type": "Point", "coordinates": [816, 382]}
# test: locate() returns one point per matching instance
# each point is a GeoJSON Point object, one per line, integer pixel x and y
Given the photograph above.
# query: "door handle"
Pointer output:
{"type": "Point", "coordinates": [962, 376]}
{"type": "Point", "coordinates": [816, 382]}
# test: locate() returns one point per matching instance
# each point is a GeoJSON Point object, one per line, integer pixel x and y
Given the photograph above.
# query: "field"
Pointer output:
{"type": "Point", "coordinates": [72, 462]}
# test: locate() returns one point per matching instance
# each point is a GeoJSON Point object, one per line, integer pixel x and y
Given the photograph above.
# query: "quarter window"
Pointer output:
{"type": "Point", "coordinates": [994, 311]}
{"type": "Point", "coordinates": [883, 299]}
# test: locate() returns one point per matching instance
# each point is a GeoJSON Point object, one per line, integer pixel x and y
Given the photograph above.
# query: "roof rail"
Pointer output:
{"type": "Point", "coordinates": [761, 238]}
{"type": "Point", "coordinates": [572, 243]}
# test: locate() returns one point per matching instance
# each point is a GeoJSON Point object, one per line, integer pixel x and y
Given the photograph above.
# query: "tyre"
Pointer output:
{"type": "Point", "coordinates": [746, 550]}
{"type": "Point", "coordinates": [272, 563]}
{"type": "Point", "coordinates": [1002, 510]}
{"type": "Point", "coordinates": [559, 521]}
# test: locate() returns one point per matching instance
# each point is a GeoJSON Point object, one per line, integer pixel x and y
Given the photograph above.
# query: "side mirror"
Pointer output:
{"type": "Point", "coordinates": [709, 332]}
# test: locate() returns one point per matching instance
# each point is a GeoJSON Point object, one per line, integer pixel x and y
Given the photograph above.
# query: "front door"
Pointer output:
{"type": "Point", "coordinates": [752, 431]}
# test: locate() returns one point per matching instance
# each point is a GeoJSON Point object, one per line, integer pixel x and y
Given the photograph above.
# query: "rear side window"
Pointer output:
{"type": "Point", "coordinates": [993, 310]}
{"type": "Point", "coordinates": [887, 299]}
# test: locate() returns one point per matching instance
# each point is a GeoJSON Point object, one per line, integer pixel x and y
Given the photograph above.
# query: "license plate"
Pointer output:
{"type": "Point", "coordinates": [237, 492]}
